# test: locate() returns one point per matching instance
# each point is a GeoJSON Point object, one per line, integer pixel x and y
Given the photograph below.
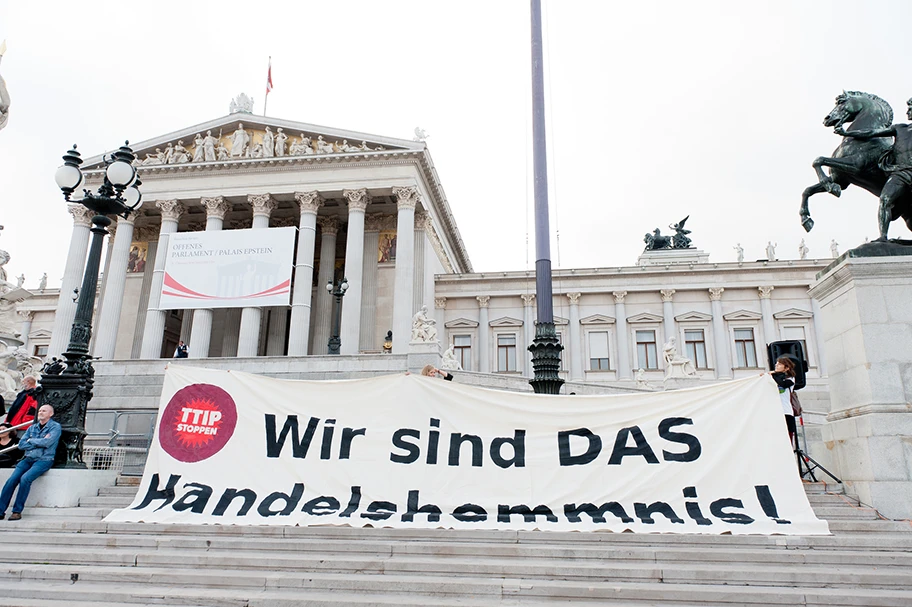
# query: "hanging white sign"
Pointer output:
{"type": "Point", "coordinates": [408, 451]}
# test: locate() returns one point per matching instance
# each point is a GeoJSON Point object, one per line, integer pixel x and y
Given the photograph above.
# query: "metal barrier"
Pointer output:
{"type": "Point", "coordinates": [104, 458]}
{"type": "Point", "coordinates": [130, 432]}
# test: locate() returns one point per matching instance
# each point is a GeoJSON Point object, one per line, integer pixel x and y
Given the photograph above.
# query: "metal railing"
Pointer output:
{"type": "Point", "coordinates": [129, 432]}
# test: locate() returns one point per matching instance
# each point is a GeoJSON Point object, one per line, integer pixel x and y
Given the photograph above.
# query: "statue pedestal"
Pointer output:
{"type": "Point", "coordinates": [676, 383]}
{"type": "Point", "coordinates": [866, 315]}
{"type": "Point", "coordinates": [664, 257]}
{"type": "Point", "coordinates": [421, 353]}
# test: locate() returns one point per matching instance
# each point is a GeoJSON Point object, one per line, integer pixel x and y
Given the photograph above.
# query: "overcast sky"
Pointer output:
{"type": "Point", "coordinates": [656, 110]}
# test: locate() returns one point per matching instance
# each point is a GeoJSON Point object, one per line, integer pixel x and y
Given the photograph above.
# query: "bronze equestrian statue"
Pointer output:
{"type": "Point", "coordinates": [867, 158]}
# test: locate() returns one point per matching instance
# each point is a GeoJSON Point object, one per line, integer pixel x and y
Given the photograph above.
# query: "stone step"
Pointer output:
{"type": "Point", "coordinates": [251, 568]}
{"type": "Point", "coordinates": [118, 490]}
{"type": "Point", "coordinates": [863, 526]}
{"type": "Point", "coordinates": [128, 481]}
{"type": "Point", "coordinates": [323, 549]}
{"type": "Point", "coordinates": [505, 592]}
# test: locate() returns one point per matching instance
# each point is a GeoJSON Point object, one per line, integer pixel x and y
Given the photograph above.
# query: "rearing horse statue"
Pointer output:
{"type": "Point", "coordinates": [855, 161]}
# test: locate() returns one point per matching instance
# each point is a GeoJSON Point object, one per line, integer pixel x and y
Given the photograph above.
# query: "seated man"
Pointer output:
{"type": "Point", "coordinates": [39, 444]}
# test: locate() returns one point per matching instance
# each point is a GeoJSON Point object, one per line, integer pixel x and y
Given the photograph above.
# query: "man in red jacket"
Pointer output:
{"type": "Point", "coordinates": [26, 404]}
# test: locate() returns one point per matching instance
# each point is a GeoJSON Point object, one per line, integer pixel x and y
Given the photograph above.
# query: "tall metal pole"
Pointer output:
{"type": "Point", "coordinates": [545, 347]}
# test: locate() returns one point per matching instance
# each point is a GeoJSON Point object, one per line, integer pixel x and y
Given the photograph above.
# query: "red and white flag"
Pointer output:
{"type": "Point", "coordinates": [269, 78]}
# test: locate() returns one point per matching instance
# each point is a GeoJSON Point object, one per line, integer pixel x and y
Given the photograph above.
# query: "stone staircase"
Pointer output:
{"type": "Point", "coordinates": [69, 557]}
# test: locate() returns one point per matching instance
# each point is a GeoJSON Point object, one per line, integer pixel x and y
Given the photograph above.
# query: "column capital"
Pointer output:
{"type": "Point", "coordinates": [112, 230]}
{"type": "Point", "coordinates": [170, 209]}
{"type": "Point", "coordinates": [406, 197]}
{"type": "Point", "coordinates": [766, 291]}
{"type": "Point", "coordinates": [667, 294]}
{"type": "Point", "coordinates": [216, 206]}
{"type": "Point", "coordinates": [357, 199]}
{"type": "Point", "coordinates": [715, 293]}
{"type": "Point", "coordinates": [27, 315]}
{"type": "Point", "coordinates": [263, 204]}
{"type": "Point", "coordinates": [528, 299]}
{"type": "Point", "coordinates": [130, 219]}
{"type": "Point", "coordinates": [329, 226]}
{"type": "Point", "coordinates": [423, 221]}
{"type": "Point", "coordinates": [310, 202]}
{"type": "Point", "coordinates": [574, 298]}
{"type": "Point", "coordinates": [440, 303]}
{"type": "Point", "coordinates": [81, 215]}
{"type": "Point", "coordinates": [239, 224]}
{"type": "Point", "coordinates": [378, 222]}
{"type": "Point", "coordinates": [483, 300]}
{"type": "Point", "coordinates": [619, 296]}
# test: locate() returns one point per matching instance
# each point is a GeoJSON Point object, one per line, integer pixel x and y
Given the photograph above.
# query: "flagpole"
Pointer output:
{"type": "Point", "coordinates": [268, 85]}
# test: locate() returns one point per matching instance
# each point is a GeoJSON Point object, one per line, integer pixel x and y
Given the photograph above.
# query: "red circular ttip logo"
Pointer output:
{"type": "Point", "coordinates": [197, 422]}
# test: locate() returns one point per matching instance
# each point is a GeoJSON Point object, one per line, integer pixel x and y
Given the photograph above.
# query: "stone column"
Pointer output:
{"type": "Point", "coordinates": [440, 317]}
{"type": "Point", "coordinates": [403, 296]}
{"type": "Point", "coordinates": [201, 330]}
{"type": "Point", "coordinates": [766, 311]}
{"type": "Point", "coordinates": [171, 211]}
{"type": "Point", "coordinates": [186, 323]}
{"type": "Point", "coordinates": [354, 265]}
{"type": "Point", "coordinates": [249, 334]}
{"type": "Point", "coordinates": [115, 281]}
{"type": "Point", "coordinates": [819, 338]}
{"type": "Point", "coordinates": [27, 317]}
{"type": "Point", "coordinates": [620, 315]}
{"type": "Point", "coordinates": [419, 297]}
{"type": "Point", "coordinates": [720, 335]}
{"type": "Point", "coordinates": [278, 322]}
{"type": "Point", "coordinates": [99, 308]}
{"type": "Point", "coordinates": [484, 334]}
{"type": "Point", "coordinates": [575, 348]}
{"type": "Point", "coordinates": [72, 278]}
{"type": "Point", "coordinates": [528, 331]}
{"type": "Point", "coordinates": [369, 335]}
{"type": "Point", "coordinates": [668, 317]}
{"type": "Point", "coordinates": [329, 229]}
{"type": "Point", "coordinates": [299, 334]}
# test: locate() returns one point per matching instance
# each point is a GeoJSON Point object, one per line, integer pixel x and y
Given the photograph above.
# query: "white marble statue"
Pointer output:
{"type": "Point", "coordinates": [4, 94]}
{"type": "Point", "coordinates": [4, 259]}
{"type": "Point", "coordinates": [9, 321]}
{"type": "Point", "coordinates": [20, 280]}
{"type": "Point", "coordinates": [280, 139]}
{"type": "Point", "coordinates": [268, 144]}
{"type": "Point", "coordinates": [420, 134]}
{"type": "Point", "coordinates": [424, 328]}
{"type": "Point", "coordinates": [640, 378]}
{"type": "Point", "coordinates": [347, 147]}
{"type": "Point", "coordinates": [676, 366]}
{"type": "Point", "coordinates": [802, 250]}
{"type": "Point", "coordinates": [302, 147]}
{"type": "Point", "coordinates": [15, 365]}
{"type": "Point", "coordinates": [450, 362]}
{"type": "Point", "coordinates": [834, 248]}
{"type": "Point", "coordinates": [199, 154]}
{"type": "Point", "coordinates": [209, 143]}
{"type": "Point", "coordinates": [739, 252]}
{"type": "Point", "coordinates": [43, 283]}
{"type": "Point", "coordinates": [241, 104]}
{"type": "Point", "coordinates": [239, 141]}
{"type": "Point", "coordinates": [169, 154]}
{"type": "Point", "coordinates": [323, 147]}
{"type": "Point", "coordinates": [771, 250]}
{"type": "Point", "coordinates": [221, 152]}
{"type": "Point", "coordinates": [181, 154]}
{"type": "Point", "coordinates": [157, 158]}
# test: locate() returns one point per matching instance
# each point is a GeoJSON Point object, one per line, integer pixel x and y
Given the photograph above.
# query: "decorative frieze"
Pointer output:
{"type": "Point", "coordinates": [378, 222]}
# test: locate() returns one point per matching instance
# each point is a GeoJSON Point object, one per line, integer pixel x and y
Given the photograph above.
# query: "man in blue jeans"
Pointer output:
{"type": "Point", "coordinates": [39, 444]}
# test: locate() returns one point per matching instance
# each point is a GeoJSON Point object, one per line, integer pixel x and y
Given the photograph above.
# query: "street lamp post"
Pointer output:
{"type": "Point", "coordinates": [335, 342]}
{"type": "Point", "coordinates": [67, 385]}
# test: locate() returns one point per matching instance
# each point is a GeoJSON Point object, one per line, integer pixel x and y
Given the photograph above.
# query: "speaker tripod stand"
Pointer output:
{"type": "Point", "coordinates": [806, 463]}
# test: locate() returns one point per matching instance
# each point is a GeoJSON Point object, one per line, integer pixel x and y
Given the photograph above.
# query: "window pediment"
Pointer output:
{"type": "Point", "coordinates": [792, 313]}
{"type": "Point", "coordinates": [743, 315]}
{"type": "Point", "coordinates": [693, 317]}
{"type": "Point", "coordinates": [559, 320]}
{"type": "Point", "coordinates": [597, 319]}
{"type": "Point", "coordinates": [40, 334]}
{"type": "Point", "coordinates": [644, 318]}
{"type": "Point", "coordinates": [506, 321]}
{"type": "Point", "coordinates": [461, 323]}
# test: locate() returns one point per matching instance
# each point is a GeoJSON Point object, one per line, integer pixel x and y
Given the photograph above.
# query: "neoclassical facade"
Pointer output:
{"type": "Point", "coordinates": [374, 211]}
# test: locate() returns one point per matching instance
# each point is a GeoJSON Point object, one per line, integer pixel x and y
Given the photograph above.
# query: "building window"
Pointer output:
{"type": "Point", "coordinates": [506, 352]}
{"type": "Point", "coordinates": [745, 349]}
{"type": "Point", "coordinates": [796, 334]}
{"type": "Point", "coordinates": [462, 347]}
{"type": "Point", "coordinates": [646, 349]}
{"type": "Point", "coordinates": [598, 351]}
{"type": "Point", "coordinates": [695, 347]}
{"type": "Point", "coordinates": [41, 351]}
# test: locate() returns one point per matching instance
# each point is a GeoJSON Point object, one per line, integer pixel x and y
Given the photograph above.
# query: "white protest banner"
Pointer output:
{"type": "Point", "coordinates": [409, 451]}
{"type": "Point", "coordinates": [228, 269]}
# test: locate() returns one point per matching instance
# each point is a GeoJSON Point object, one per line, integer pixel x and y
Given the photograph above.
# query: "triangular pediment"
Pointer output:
{"type": "Point", "coordinates": [40, 334]}
{"type": "Point", "coordinates": [506, 321]}
{"type": "Point", "coordinates": [303, 140]}
{"type": "Point", "coordinates": [742, 315]}
{"type": "Point", "coordinates": [693, 317]}
{"type": "Point", "coordinates": [792, 313]}
{"type": "Point", "coordinates": [597, 319]}
{"type": "Point", "coordinates": [461, 323]}
{"type": "Point", "coordinates": [559, 320]}
{"type": "Point", "coordinates": [644, 317]}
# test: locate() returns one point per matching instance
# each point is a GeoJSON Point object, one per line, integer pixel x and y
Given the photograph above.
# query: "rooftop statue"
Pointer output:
{"type": "Point", "coordinates": [680, 239]}
{"type": "Point", "coordinates": [242, 104]}
{"type": "Point", "coordinates": [656, 241]}
{"type": "Point", "coordinates": [867, 158]}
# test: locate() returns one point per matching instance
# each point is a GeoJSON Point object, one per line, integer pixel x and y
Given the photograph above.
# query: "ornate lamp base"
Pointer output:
{"type": "Point", "coordinates": [546, 360]}
{"type": "Point", "coordinates": [69, 393]}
